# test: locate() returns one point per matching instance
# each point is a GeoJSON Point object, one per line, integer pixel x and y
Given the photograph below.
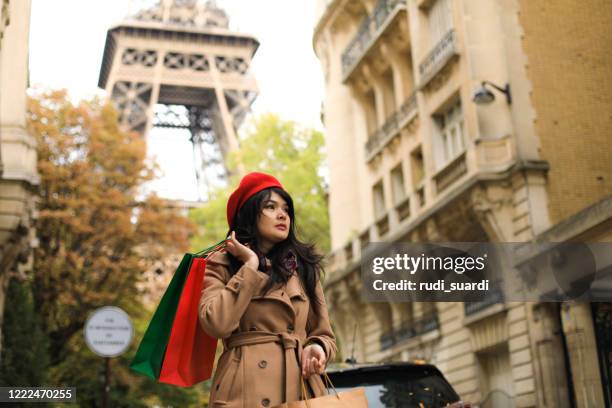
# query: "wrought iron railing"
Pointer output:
{"type": "Point", "coordinates": [367, 32]}
{"type": "Point", "coordinates": [409, 330]}
{"type": "Point", "coordinates": [443, 51]}
{"type": "Point", "coordinates": [493, 296]}
{"type": "Point", "coordinates": [387, 340]}
{"type": "Point", "coordinates": [392, 125]}
{"type": "Point", "coordinates": [418, 327]}
{"type": "Point", "coordinates": [430, 323]}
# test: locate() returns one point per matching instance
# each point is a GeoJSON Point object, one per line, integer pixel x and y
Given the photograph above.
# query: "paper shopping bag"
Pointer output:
{"type": "Point", "coordinates": [174, 332]}
{"type": "Point", "coordinates": [191, 352]}
{"type": "Point", "coordinates": [354, 398]}
{"type": "Point", "coordinates": [150, 354]}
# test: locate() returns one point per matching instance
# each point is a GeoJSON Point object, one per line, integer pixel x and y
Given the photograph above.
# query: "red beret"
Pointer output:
{"type": "Point", "coordinates": [250, 184]}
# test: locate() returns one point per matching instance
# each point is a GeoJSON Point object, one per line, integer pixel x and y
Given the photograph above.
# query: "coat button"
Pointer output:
{"type": "Point", "coordinates": [265, 402]}
{"type": "Point", "coordinates": [290, 327]}
{"type": "Point", "coordinates": [263, 364]}
{"type": "Point", "coordinates": [236, 285]}
{"type": "Point", "coordinates": [253, 328]}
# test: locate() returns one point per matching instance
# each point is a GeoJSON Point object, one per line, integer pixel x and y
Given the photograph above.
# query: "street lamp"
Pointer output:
{"type": "Point", "coordinates": [483, 96]}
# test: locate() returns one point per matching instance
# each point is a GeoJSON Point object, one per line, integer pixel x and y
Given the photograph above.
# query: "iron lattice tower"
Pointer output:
{"type": "Point", "coordinates": [178, 65]}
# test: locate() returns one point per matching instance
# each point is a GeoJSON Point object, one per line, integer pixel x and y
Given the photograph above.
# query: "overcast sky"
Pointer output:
{"type": "Point", "coordinates": [67, 40]}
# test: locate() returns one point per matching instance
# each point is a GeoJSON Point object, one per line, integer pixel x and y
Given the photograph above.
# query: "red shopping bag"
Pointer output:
{"type": "Point", "coordinates": [190, 353]}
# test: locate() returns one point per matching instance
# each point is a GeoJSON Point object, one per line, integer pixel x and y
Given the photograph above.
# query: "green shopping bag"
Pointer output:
{"type": "Point", "coordinates": [149, 357]}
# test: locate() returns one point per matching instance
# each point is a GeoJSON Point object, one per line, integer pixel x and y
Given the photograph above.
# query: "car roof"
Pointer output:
{"type": "Point", "coordinates": [348, 374]}
{"type": "Point", "coordinates": [373, 367]}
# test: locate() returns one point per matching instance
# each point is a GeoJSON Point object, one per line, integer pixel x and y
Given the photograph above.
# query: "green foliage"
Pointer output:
{"type": "Point", "coordinates": [294, 156]}
{"type": "Point", "coordinates": [24, 345]}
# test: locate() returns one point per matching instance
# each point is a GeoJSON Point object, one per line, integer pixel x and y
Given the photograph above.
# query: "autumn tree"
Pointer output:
{"type": "Point", "coordinates": [97, 231]}
{"type": "Point", "coordinates": [291, 153]}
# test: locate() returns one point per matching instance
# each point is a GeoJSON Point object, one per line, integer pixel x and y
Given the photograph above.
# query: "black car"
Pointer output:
{"type": "Point", "coordinates": [397, 385]}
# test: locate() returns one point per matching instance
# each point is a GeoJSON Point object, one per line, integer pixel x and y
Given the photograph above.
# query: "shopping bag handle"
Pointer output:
{"type": "Point", "coordinates": [208, 251]}
{"type": "Point", "coordinates": [327, 382]}
{"type": "Point", "coordinates": [304, 392]}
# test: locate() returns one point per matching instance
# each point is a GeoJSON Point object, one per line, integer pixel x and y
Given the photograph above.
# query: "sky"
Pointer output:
{"type": "Point", "coordinates": [67, 41]}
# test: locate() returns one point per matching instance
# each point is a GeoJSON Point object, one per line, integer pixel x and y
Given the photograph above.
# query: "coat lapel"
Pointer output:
{"type": "Point", "coordinates": [285, 293]}
{"type": "Point", "coordinates": [281, 293]}
{"type": "Point", "coordinates": [294, 288]}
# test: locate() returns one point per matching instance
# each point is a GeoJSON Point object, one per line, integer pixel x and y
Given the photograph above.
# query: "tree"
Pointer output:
{"type": "Point", "coordinates": [93, 229]}
{"type": "Point", "coordinates": [22, 365]}
{"type": "Point", "coordinates": [292, 154]}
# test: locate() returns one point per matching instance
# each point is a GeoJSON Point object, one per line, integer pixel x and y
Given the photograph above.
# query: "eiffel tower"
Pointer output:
{"type": "Point", "coordinates": [176, 64]}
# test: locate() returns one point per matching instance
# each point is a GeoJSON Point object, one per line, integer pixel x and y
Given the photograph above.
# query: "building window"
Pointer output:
{"type": "Point", "coordinates": [378, 194]}
{"type": "Point", "coordinates": [398, 189]}
{"type": "Point", "coordinates": [448, 140]}
{"type": "Point", "coordinates": [440, 20]}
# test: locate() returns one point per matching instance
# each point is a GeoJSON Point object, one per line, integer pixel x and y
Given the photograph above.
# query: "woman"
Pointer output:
{"type": "Point", "coordinates": [263, 298]}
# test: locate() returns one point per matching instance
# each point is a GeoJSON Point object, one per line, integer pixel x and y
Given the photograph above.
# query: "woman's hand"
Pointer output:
{"type": "Point", "coordinates": [313, 360]}
{"type": "Point", "coordinates": [242, 252]}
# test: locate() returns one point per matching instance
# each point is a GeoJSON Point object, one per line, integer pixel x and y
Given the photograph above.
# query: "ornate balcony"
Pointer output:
{"type": "Point", "coordinates": [451, 172]}
{"type": "Point", "coordinates": [394, 123]}
{"type": "Point", "coordinates": [444, 51]}
{"type": "Point", "coordinates": [369, 30]}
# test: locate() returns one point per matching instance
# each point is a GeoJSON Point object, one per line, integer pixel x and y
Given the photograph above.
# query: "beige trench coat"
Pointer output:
{"type": "Point", "coordinates": [263, 336]}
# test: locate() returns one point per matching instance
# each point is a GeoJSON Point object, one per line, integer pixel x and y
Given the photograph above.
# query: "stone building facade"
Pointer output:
{"type": "Point", "coordinates": [414, 158]}
{"type": "Point", "coordinates": [18, 172]}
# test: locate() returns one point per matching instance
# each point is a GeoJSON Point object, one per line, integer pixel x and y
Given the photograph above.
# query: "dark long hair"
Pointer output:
{"type": "Point", "coordinates": [283, 253]}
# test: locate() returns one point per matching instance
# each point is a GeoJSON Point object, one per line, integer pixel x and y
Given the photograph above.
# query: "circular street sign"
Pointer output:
{"type": "Point", "coordinates": [108, 331]}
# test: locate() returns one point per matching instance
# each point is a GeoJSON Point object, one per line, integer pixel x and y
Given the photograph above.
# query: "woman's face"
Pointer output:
{"type": "Point", "coordinates": [273, 223]}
